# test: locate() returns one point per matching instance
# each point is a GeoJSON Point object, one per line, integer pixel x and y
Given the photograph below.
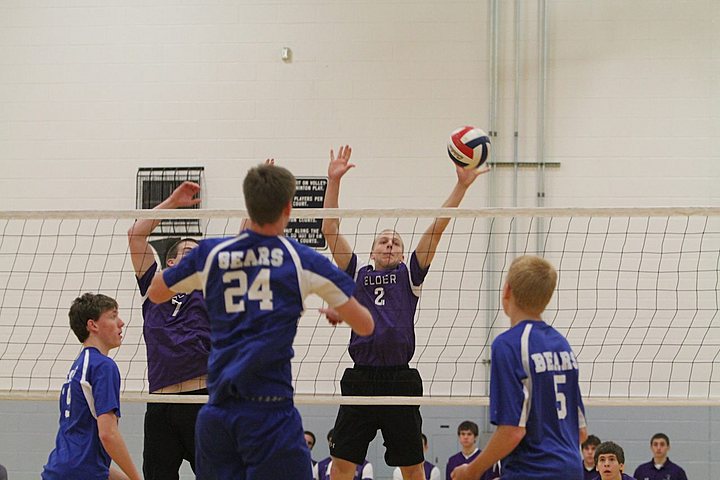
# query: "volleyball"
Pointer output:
{"type": "Point", "coordinates": [469, 147]}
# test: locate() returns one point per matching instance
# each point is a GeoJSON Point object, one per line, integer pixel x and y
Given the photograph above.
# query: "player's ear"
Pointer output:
{"type": "Point", "coordinates": [91, 325]}
{"type": "Point", "coordinates": [506, 291]}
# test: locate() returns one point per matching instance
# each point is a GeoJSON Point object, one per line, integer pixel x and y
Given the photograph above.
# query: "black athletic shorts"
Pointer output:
{"type": "Point", "coordinates": [401, 425]}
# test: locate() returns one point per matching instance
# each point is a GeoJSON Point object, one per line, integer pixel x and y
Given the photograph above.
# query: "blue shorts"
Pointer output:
{"type": "Point", "coordinates": [246, 440]}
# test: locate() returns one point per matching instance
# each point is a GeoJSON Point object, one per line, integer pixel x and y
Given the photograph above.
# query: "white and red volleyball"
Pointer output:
{"type": "Point", "coordinates": [469, 147]}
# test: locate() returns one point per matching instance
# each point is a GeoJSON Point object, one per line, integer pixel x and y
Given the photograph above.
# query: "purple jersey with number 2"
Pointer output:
{"type": "Point", "coordinates": [392, 297]}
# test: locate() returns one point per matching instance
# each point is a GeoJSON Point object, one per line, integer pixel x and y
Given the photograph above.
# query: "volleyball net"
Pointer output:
{"type": "Point", "coordinates": [637, 298]}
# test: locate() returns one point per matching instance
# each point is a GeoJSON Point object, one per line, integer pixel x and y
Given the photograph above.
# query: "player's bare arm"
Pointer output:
{"type": "Point", "coordinates": [583, 434]}
{"type": "Point", "coordinates": [159, 291]}
{"type": "Point", "coordinates": [115, 446]}
{"type": "Point", "coordinates": [338, 167]}
{"type": "Point", "coordinates": [427, 246]}
{"type": "Point", "coordinates": [141, 252]}
{"type": "Point", "coordinates": [354, 314]}
{"type": "Point", "coordinates": [351, 310]}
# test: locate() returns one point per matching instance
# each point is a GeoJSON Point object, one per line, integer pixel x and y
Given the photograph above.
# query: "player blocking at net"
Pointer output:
{"type": "Point", "coordinates": [535, 396]}
{"type": "Point", "coordinates": [254, 286]}
{"type": "Point", "coordinates": [177, 339]}
{"type": "Point", "coordinates": [390, 289]}
{"type": "Point", "coordinates": [88, 436]}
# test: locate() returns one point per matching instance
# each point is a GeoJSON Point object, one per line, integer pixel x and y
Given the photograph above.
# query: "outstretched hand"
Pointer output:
{"type": "Point", "coordinates": [184, 195]}
{"type": "Point", "coordinates": [269, 161]}
{"type": "Point", "coordinates": [332, 316]}
{"type": "Point", "coordinates": [341, 164]}
{"type": "Point", "coordinates": [466, 176]}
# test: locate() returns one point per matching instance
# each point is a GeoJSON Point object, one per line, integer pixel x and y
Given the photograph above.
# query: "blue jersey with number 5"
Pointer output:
{"type": "Point", "coordinates": [534, 384]}
{"type": "Point", "coordinates": [254, 287]}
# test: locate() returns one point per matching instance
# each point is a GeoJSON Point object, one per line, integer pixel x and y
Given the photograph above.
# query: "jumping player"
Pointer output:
{"type": "Point", "coordinates": [177, 337]}
{"type": "Point", "coordinates": [390, 290]}
{"type": "Point", "coordinates": [254, 286]}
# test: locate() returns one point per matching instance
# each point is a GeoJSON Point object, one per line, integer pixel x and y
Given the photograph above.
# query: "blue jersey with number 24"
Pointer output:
{"type": "Point", "coordinates": [254, 287]}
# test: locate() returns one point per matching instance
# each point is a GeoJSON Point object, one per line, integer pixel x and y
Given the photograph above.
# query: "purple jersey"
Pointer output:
{"type": "Point", "coordinates": [428, 467]}
{"type": "Point", "coordinates": [92, 389]}
{"type": "Point", "coordinates": [668, 471]}
{"type": "Point", "coordinates": [534, 384]}
{"type": "Point", "coordinates": [589, 474]}
{"type": "Point", "coordinates": [460, 459]}
{"type": "Point", "coordinates": [177, 336]}
{"type": "Point", "coordinates": [392, 297]}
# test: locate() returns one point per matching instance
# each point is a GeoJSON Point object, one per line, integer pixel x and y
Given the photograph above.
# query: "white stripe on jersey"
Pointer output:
{"type": "Point", "coordinates": [311, 282]}
{"type": "Point", "coordinates": [86, 387]}
{"type": "Point", "coordinates": [416, 289]}
{"type": "Point", "coordinates": [298, 269]}
{"type": "Point", "coordinates": [326, 289]}
{"type": "Point", "coordinates": [527, 382]}
{"type": "Point", "coordinates": [582, 423]}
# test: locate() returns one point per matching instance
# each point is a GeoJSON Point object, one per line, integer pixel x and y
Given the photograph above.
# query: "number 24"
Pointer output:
{"type": "Point", "coordinates": [259, 290]}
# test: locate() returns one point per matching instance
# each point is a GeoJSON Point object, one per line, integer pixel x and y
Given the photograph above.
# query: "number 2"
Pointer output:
{"type": "Point", "coordinates": [379, 296]}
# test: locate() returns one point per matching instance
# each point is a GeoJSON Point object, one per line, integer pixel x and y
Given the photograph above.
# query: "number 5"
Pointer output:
{"type": "Point", "coordinates": [560, 396]}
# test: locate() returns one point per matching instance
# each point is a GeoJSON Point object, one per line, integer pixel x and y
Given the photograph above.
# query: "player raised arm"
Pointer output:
{"type": "Point", "coordinates": [339, 246]}
{"type": "Point", "coordinates": [427, 246]}
{"type": "Point", "coordinates": [141, 253]}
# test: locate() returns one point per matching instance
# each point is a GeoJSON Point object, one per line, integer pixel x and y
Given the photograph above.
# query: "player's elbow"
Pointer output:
{"type": "Point", "coordinates": [366, 326]}
{"type": "Point", "coordinates": [107, 429]}
{"type": "Point", "coordinates": [365, 329]}
{"type": "Point", "coordinates": [157, 296]}
{"type": "Point", "coordinates": [517, 434]}
{"type": "Point", "coordinates": [158, 291]}
{"type": "Point", "coordinates": [106, 437]}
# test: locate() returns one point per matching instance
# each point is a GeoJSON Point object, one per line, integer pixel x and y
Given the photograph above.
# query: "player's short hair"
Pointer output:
{"type": "Point", "coordinates": [424, 439]}
{"type": "Point", "coordinates": [308, 432]}
{"type": "Point", "coordinates": [395, 234]}
{"type": "Point", "coordinates": [267, 190]}
{"type": "Point", "coordinates": [173, 250]}
{"type": "Point", "coordinates": [532, 281]}
{"type": "Point", "coordinates": [89, 306]}
{"type": "Point", "coordinates": [330, 435]}
{"type": "Point", "coordinates": [660, 436]}
{"type": "Point", "coordinates": [591, 441]}
{"type": "Point", "coordinates": [610, 447]}
{"type": "Point", "coordinates": [467, 425]}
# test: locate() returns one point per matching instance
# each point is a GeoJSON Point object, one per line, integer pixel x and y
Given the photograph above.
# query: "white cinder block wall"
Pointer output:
{"type": "Point", "coordinates": [90, 90]}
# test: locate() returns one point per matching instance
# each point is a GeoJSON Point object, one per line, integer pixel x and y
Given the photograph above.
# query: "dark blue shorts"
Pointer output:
{"type": "Point", "coordinates": [246, 440]}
